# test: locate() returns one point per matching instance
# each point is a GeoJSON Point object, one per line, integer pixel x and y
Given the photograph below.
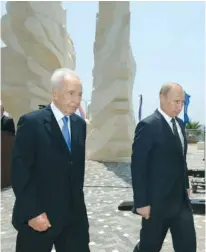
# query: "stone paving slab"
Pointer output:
{"type": "Point", "coordinates": [106, 186]}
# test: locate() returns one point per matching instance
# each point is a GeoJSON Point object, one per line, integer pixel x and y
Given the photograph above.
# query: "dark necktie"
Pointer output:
{"type": "Point", "coordinates": [175, 131]}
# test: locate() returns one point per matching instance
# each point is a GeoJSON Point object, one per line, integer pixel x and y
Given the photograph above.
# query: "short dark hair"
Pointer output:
{"type": "Point", "coordinates": [167, 87]}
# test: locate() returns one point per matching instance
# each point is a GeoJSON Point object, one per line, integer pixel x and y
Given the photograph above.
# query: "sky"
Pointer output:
{"type": "Point", "coordinates": [168, 44]}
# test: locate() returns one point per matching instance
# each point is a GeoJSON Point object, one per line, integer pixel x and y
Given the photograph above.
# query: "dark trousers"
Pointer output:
{"type": "Point", "coordinates": [182, 229]}
{"type": "Point", "coordinates": [29, 240]}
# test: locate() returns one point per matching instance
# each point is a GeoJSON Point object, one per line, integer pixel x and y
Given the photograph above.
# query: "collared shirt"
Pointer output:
{"type": "Point", "coordinates": [59, 116]}
{"type": "Point", "coordinates": [168, 119]}
{"type": "Point", "coordinates": [5, 114]}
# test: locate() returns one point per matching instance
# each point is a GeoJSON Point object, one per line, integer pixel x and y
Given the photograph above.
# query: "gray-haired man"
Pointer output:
{"type": "Point", "coordinates": [48, 167]}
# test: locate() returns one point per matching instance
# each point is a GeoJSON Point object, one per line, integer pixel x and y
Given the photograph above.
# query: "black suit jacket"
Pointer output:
{"type": "Point", "coordinates": [46, 177]}
{"type": "Point", "coordinates": [7, 124]}
{"type": "Point", "coordinates": [158, 167]}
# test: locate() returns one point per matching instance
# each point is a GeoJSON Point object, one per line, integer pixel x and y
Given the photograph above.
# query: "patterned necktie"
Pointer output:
{"type": "Point", "coordinates": [175, 131]}
{"type": "Point", "coordinates": [65, 132]}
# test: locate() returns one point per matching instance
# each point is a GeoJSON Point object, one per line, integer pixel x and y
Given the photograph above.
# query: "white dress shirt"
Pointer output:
{"type": "Point", "coordinates": [168, 119]}
{"type": "Point", "coordinates": [59, 116]}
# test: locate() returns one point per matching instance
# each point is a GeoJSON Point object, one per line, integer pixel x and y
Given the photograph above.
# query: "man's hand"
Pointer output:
{"type": "Point", "coordinates": [144, 212]}
{"type": "Point", "coordinates": [40, 223]}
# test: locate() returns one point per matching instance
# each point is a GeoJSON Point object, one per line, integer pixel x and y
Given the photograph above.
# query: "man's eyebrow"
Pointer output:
{"type": "Point", "coordinates": [72, 90]}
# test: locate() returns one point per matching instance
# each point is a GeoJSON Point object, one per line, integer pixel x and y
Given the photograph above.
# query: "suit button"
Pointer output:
{"type": "Point", "coordinates": [70, 162]}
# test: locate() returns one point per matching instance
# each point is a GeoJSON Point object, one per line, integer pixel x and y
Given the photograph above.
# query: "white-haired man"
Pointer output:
{"type": "Point", "coordinates": [48, 167]}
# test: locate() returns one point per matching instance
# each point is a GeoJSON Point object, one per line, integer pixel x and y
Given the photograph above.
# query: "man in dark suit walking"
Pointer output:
{"type": "Point", "coordinates": [48, 168]}
{"type": "Point", "coordinates": [7, 123]}
{"type": "Point", "coordinates": [159, 176]}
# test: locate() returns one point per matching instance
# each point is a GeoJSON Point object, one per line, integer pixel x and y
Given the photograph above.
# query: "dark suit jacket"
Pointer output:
{"type": "Point", "coordinates": [7, 124]}
{"type": "Point", "coordinates": [158, 167]}
{"type": "Point", "coordinates": [46, 177]}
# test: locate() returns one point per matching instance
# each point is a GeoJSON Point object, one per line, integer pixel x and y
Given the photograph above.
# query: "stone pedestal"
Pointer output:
{"type": "Point", "coordinates": [112, 123]}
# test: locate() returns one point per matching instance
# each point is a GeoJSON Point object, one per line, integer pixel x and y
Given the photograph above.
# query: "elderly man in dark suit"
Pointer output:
{"type": "Point", "coordinates": [160, 177]}
{"type": "Point", "coordinates": [7, 123]}
{"type": "Point", "coordinates": [48, 168]}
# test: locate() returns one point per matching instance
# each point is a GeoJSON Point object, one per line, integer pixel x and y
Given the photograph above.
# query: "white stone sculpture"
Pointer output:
{"type": "Point", "coordinates": [37, 43]}
{"type": "Point", "coordinates": [112, 123]}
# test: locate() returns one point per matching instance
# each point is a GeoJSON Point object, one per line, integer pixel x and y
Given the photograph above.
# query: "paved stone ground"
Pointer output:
{"type": "Point", "coordinates": [106, 186]}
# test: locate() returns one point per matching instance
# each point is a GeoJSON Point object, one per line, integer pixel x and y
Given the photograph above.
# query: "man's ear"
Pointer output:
{"type": "Point", "coordinates": [161, 98]}
{"type": "Point", "coordinates": [54, 93]}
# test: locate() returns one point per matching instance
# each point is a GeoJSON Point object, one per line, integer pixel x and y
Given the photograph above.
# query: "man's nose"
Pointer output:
{"type": "Point", "coordinates": [77, 99]}
{"type": "Point", "coordinates": [180, 106]}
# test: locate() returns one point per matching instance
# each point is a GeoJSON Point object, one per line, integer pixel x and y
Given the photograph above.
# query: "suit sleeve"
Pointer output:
{"type": "Point", "coordinates": [187, 178]}
{"type": "Point", "coordinates": [84, 150]}
{"type": "Point", "coordinates": [186, 168]}
{"type": "Point", "coordinates": [143, 142]}
{"type": "Point", "coordinates": [23, 173]}
{"type": "Point", "coordinates": [185, 156]}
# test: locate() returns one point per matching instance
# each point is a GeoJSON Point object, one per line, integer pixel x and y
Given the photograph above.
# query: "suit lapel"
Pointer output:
{"type": "Point", "coordinates": [167, 129]}
{"type": "Point", "coordinates": [74, 133]}
{"type": "Point", "coordinates": [52, 127]}
{"type": "Point", "coordinates": [165, 124]}
{"type": "Point", "coordinates": [184, 136]}
{"type": "Point", "coordinates": [3, 120]}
